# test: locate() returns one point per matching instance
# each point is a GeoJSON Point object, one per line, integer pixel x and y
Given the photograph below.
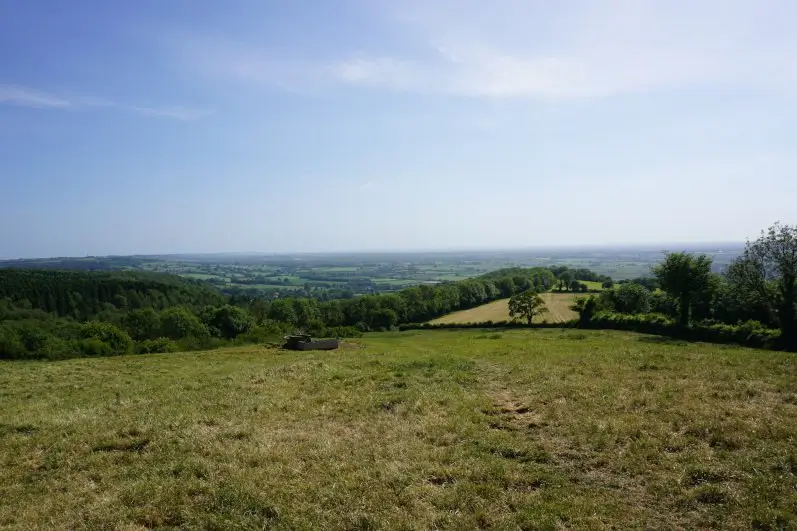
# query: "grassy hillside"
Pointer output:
{"type": "Point", "coordinates": [558, 311]}
{"type": "Point", "coordinates": [534, 429]}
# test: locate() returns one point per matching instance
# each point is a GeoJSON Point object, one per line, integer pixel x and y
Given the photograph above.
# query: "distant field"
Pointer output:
{"type": "Point", "coordinates": [474, 429]}
{"type": "Point", "coordinates": [395, 281]}
{"type": "Point", "coordinates": [201, 276]}
{"type": "Point", "coordinates": [558, 311]}
{"type": "Point", "coordinates": [592, 285]}
{"type": "Point", "coordinates": [294, 287]}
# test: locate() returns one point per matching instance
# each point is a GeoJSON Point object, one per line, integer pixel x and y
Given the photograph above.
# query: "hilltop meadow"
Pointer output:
{"type": "Point", "coordinates": [521, 429]}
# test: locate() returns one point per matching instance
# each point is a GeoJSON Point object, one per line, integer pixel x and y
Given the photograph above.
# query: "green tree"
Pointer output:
{"type": "Point", "coordinates": [741, 297]}
{"type": "Point", "coordinates": [282, 310]}
{"type": "Point", "coordinates": [506, 286]}
{"type": "Point", "coordinates": [683, 276]}
{"type": "Point", "coordinates": [630, 298]}
{"type": "Point", "coordinates": [142, 324]}
{"type": "Point", "coordinates": [116, 340]}
{"type": "Point", "coordinates": [231, 321]}
{"type": "Point", "coordinates": [179, 323]}
{"type": "Point", "coordinates": [767, 270]}
{"type": "Point", "coordinates": [331, 313]}
{"type": "Point", "coordinates": [586, 308]}
{"type": "Point", "coordinates": [526, 305]}
{"type": "Point", "coordinates": [306, 310]}
{"type": "Point", "coordinates": [662, 303]}
{"type": "Point", "coordinates": [566, 280]}
{"type": "Point", "coordinates": [384, 318]}
{"type": "Point", "coordinates": [10, 345]}
{"type": "Point", "coordinates": [259, 310]}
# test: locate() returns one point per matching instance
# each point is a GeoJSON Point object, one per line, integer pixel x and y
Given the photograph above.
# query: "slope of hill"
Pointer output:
{"type": "Point", "coordinates": [535, 429]}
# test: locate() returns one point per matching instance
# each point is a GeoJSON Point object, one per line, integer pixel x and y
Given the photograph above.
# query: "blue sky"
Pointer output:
{"type": "Point", "coordinates": [256, 125]}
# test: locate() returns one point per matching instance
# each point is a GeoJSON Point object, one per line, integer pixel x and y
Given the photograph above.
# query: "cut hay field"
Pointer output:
{"type": "Point", "coordinates": [558, 311]}
{"type": "Point", "coordinates": [525, 429]}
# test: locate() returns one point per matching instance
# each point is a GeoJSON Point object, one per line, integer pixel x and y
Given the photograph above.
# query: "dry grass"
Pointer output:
{"type": "Point", "coordinates": [525, 429]}
{"type": "Point", "coordinates": [558, 311]}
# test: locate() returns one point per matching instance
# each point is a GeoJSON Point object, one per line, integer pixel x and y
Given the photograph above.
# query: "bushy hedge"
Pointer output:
{"type": "Point", "coordinates": [749, 333]}
{"type": "Point", "coordinates": [55, 339]}
{"type": "Point", "coordinates": [46, 337]}
{"type": "Point", "coordinates": [156, 346]}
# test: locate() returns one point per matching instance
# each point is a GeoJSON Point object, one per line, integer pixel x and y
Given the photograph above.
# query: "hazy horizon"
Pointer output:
{"type": "Point", "coordinates": [660, 246]}
{"type": "Point", "coordinates": [167, 128]}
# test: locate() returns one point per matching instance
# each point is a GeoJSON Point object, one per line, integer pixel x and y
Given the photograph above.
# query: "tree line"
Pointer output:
{"type": "Point", "coordinates": [59, 314]}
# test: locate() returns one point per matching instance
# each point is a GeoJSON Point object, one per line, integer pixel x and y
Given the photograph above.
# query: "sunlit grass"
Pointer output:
{"type": "Point", "coordinates": [535, 429]}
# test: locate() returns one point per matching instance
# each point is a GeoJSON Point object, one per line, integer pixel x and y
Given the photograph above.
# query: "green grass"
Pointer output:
{"type": "Point", "coordinates": [523, 429]}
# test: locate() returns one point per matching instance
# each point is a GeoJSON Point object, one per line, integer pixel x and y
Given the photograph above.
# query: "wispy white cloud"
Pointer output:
{"type": "Point", "coordinates": [28, 97]}
{"type": "Point", "coordinates": [594, 50]}
{"type": "Point", "coordinates": [380, 71]}
{"type": "Point", "coordinates": [545, 50]}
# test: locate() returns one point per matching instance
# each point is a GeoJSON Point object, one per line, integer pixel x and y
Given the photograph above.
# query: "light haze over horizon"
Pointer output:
{"type": "Point", "coordinates": [197, 126]}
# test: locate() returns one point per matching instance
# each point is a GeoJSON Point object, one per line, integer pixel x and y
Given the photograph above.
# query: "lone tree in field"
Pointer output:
{"type": "Point", "coordinates": [526, 305]}
{"type": "Point", "coordinates": [768, 269]}
{"type": "Point", "coordinates": [682, 276]}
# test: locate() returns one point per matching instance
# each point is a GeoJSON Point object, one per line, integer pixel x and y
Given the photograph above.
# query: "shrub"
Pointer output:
{"type": "Point", "coordinates": [179, 323]}
{"type": "Point", "coordinates": [157, 345]}
{"type": "Point", "coordinates": [230, 321]}
{"type": "Point", "coordinates": [268, 332]}
{"type": "Point", "coordinates": [630, 298]}
{"type": "Point", "coordinates": [750, 333]}
{"type": "Point", "coordinates": [117, 340]}
{"type": "Point", "coordinates": [60, 349]}
{"type": "Point", "coordinates": [94, 347]}
{"type": "Point", "coordinates": [10, 345]}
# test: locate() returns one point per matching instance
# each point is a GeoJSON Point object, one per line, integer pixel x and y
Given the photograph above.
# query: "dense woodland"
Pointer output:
{"type": "Point", "coordinates": [55, 314]}
{"type": "Point", "coordinates": [83, 296]}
